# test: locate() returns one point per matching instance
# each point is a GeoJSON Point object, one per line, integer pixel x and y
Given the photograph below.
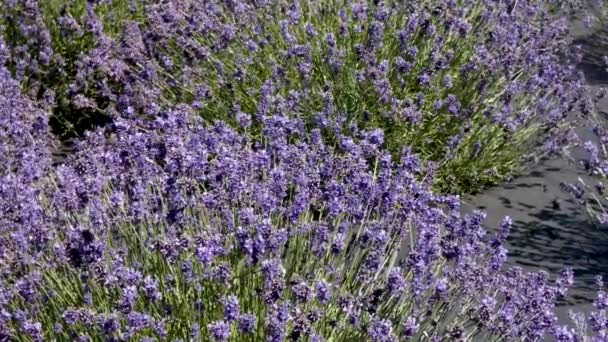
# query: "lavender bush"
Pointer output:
{"type": "Point", "coordinates": [51, 44]}
{"type": "Point", "coordinates": [254, 181]}
{"type": "Point", "coordinates": [470, 85]}
{"type": "Point", "coordinates": [591, 194]}
{"type": "Point", "coordinates": [172, 229]}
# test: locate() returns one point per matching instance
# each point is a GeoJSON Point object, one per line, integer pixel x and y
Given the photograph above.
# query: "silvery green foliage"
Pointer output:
{"type": "Point", "coordinates": [469, 84]}
{"type": "Point", "coordinates": [170, 228]}
{"type": "Point", "coordinates": [290, 219]}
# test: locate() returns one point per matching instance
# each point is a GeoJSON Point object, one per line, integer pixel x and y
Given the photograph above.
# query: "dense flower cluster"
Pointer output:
{"type": "Point", "coordinates": [468, 84]}
{"type": "Point", "coordinates": [171, 229]}
{"type": "Point", "coordinates": [254, 181]}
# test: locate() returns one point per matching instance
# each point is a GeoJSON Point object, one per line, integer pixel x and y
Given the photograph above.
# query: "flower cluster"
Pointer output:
{"type": "Point", "coordinates": [252, 179]}
{"type": "Point", "coordinates": [468, 85]}
{"type": "Point", "coordinates": [591, 327]}
{"type": "Point", "coordinates": [171, 229]}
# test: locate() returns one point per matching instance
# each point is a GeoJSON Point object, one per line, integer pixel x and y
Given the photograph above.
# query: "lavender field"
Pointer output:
{"type": "Point", "coordinates": [329, 170]}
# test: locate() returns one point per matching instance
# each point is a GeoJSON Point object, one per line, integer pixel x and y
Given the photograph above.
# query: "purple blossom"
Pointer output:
{"type": "Point", "coordinates": [410, 327]}
{"type": "Point", "coordinates": [448, 81]}
{"type": "Point", "coordinates": [231, 308]}
{"type": "Point", "coordinates": [150, 288]}
{"type": "Point", "coordinates": [323, 291]}
{"type": "Point", "coordinates": [34, 330]}
{"type": "Point", "coordinates": [70, 317]}
{"type": "Point", "coordinates": [247, 323]}
{"type": "Point", "coordinates": [310, 30]}
{"type": "Point", "coordinates": [381, 331]}
{"type": "Point", "coordinates": [565, 334]}
{"type": "Point", "coordinates": [137, 321]}
{"type": "Point", "coordinates": [565, 280]}
{"type": "Point", "coordinates": [302, 292]}
{"type": "Point", "coordinates": [110, 324]}
{"type": "Point", "coordinates": [330, 39]}
{"type": "Point", "coordinates": [395, 282]}
{"type": "Point", "coordinates": [424, 79]}
{"type": "Point", "coordinates": [219, 330]}
{"type": "Point", "coordinates": [211, 206]}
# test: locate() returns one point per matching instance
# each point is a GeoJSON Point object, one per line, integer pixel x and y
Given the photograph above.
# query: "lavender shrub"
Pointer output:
{"type": "Point", "coordinates": [469, 85]}
{"type": "Point", "coordinates": [291, 220]}
{"type": "Point", "coordinates": [172, 229]}
{"type": "Point", "coordinates": [52, 46]}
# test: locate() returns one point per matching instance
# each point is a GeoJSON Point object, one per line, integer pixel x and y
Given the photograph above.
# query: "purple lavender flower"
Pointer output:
{"type": "Point", "coordinates": [150, 288]}
{"type": "Point", "coordinates": [330, 39]}
{"type": "Point", "coordinates": [410, 327]}
{"type": "Point", "coordinates": [395, 283]}
{"type": "Point", "coordinates": [565, 280]}
{"type": "Point", "coordinates": [424, 79]}
{"type": "Point", "coordinates": [137, 321]}
{"type": "Point", "coordinates": [323, 291]}
{"type": "Point", "coordinates": [565, 334]}
{"type": "Point", "coordinates": [272, 269]}
{"type": "Point", "coordinates": [442, 286]}
{"type": "Point", "coordinates": [453, 104]}
{"type": "Point", "coordinates": [110, 324]}
{"type": "Point", "coordinates": [127, 301]}
{"type": "Point", "coordinates": [231, 308]}
{"type": "Point", "coordinates": [498, 258]}
{"type": "Point", "coordinates": [160, 328]}
{"type": "Point", "coordinates": [359, 11]}
{"type": "Point", "coordinates": [448, 81]}
{"type": "Point", "coordinates": [247, 323]}
{"type": "Point", "coordinates": [402, 65]}
{"type": "Point", "coordinates": [70, 317]}
{"type": "Point", "coordinates": [310, 30]}
{"type": "Point", "coordinates": [34, 330]}
{"type": "Point", "coordinates": [215, 205]}
{"type": "Point", "coordinates": [252, 46]}
{"type": "Point", "coordinates": [219, 330]}
{"type": "Point", "coordinates": [381, 331]}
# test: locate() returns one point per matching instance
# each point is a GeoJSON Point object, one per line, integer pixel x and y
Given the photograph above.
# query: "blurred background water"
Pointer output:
{"type": "Point", "coordinates": [550, 230]}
